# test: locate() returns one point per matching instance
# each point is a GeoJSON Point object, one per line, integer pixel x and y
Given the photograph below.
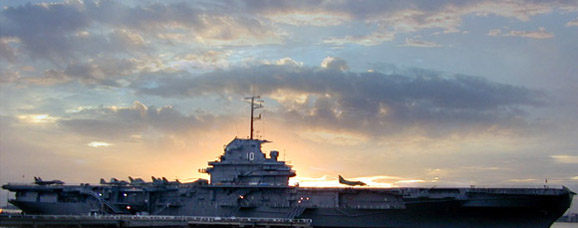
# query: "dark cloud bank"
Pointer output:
{"type": "Point", "coordinates": [72, 29]}
{"type": "Point", "coordinates": [119, 123]}
{"type": "Point", "coordinates": [370, 103]}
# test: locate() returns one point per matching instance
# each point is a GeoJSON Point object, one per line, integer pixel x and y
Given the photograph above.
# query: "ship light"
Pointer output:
{"type": "Point", "coordinates": [128, 207]}
{"type": "Point", "coordinates": [125, 195]}
{"type": "Point", "coordinates": [241, 197]}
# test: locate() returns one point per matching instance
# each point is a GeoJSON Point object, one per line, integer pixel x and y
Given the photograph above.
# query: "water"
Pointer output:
{"type": "Point", "coordinates": [564, 225]}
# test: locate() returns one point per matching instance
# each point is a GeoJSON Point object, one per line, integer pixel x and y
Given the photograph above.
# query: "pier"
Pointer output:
{"type": "Point", "coordinates": [8, 220]}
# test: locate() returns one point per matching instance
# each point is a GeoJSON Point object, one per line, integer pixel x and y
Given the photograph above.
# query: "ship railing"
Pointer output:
{"type": "Point", "coordinates": [73, 184]}
{"type": "Point", "coordinates": [553, 189]}
{"type": "Point", "coordinates": [485, 187]}
{"type": "Point", "coordinates": [547, 186]}
{"type": "Point", "coordinates": [169, 218]}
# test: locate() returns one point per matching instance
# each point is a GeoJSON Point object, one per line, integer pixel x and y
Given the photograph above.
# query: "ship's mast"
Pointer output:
{"type": "Point", "coordinates": [256, 103]}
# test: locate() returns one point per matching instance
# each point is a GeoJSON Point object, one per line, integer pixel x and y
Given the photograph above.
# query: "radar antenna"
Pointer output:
{"type": "Point", "coordinates": [256, 103]}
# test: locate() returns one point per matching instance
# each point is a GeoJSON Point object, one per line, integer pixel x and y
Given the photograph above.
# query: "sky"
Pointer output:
{"type": "Point", "coordinates": [394, 93]}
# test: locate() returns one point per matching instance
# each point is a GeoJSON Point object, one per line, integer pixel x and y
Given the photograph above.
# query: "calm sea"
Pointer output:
{"type": "Point", "coordinates": [564, 225]}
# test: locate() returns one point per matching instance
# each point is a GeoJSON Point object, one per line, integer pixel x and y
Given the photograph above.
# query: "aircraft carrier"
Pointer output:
{"type": "Point", "coordinates": [247, 183]}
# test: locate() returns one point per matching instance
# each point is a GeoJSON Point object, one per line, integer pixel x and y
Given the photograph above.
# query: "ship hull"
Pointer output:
{"type": "Point", "coordinates": [449, 214]}
{"type": "Point", "coordinates": [53, 208]}
{"type": "Point", "coordinates": [353, 207]}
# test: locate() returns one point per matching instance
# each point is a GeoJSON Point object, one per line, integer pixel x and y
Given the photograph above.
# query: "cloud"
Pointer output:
{"type": "Point", "coordinates": [74, 28]}
{"type": "Point", "coordinates": [494, 32]}
{"type": "Point", "coordinates": [117, 123]}
{"type": "Point", "coordinates": [37, 119]}
{"type": "Point", "coordinates": [9, 76]}
{"type": "Point", "coordinates": [127, 38]}
{"type": "Point", "coordinates": [6, 51]}
{"type": "Point", "coordinates": [324, 137]}
{"type": "Point", "coordinates": [71, 34]}
{"type": "Point", "coordinates": [102, 71]}
{"type": "Point", "coordinates": [333, 63]}
{"type": "Point", "coordinates": [540, 34]}
{"type": "Point", "coordinates": [208, 60]}
{"type": "Point", "coordinates": [372, 39]}
{"type": "Point", "coordinates": [42, 28]}
{"type": "Point", "coordinates": [288, 62]}
{"type": "Point", "coordinates": [392, 17]}
{"type": "Point", "coordinates": [573, 22]}
{"type": "Point", "coordinates": [446, 13]}
{"type": "Point", "coordinates": [332, 98]}
{"type": "Point", "coordinates": [71, 29]}
{"type": "Point", "coordinates": [306, 17]}
{"type": "Point", "coordinates": [409, 42]}
{"type": "Point", "coordinates": [96, 144]}
{"type": "Point", "coordinates": [565, 159]}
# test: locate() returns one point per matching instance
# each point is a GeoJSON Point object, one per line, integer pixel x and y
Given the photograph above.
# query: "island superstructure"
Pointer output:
{"type": "Point", "coordinates": [246, 182]}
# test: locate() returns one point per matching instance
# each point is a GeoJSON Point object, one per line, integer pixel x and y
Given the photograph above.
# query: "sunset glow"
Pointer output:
{"type": "Point", "coordinates": [37, 119]}
{"type": "Point", "coordinates": [99, 144]}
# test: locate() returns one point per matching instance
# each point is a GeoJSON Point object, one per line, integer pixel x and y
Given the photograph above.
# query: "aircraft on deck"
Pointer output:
{"type": "Point", "coordinates": [113, 181]}
{"type": "Point", "coordinates": [39, 181]}
{"type": "Point", "coordinates": [136, 181]}
{"type": "Point", "coordinates": [163, 181]}
{"type": "Point", "coordinates": [351, 183]}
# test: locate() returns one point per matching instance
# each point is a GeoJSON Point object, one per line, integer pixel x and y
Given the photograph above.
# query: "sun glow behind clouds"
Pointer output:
{"type": "Point", "coordinates": [37, 119]}
{"type": "Point", "coordinates": [288, 96]}
{"type": "Point", "coordinates": [336, 138]}
{"type": "Point", "coordinates": [96, 144]}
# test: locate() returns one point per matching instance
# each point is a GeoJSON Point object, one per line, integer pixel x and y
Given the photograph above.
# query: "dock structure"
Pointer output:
{"type": "Point", "coordinates": [7, 220]}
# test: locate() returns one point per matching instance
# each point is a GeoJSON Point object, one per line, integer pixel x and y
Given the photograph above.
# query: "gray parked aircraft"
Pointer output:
{"type": "Point", "coordinates": [39, 181]}
{"type": "Point", "coordinates": [351, 183]}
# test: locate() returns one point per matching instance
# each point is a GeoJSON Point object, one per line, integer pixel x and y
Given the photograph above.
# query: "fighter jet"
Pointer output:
{"type": "Point", "coordinates": [137, 181]}
{"type": "Point", "coordinates": [163, 181]}
{"type": "Point", "coordinates": [171, 182]}
{"type": "Point", "coordinates": [113, 181]}
{"type": "Point", "coordinates": [39, 181]}
{"type": "Point", "coordinates": [157, 181]}
{"type": "Point", "coordinates": [351, 183]}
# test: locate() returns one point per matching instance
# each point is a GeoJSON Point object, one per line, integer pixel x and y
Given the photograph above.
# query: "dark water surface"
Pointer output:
{"type": "Point", "coordinates": [564, 225]}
